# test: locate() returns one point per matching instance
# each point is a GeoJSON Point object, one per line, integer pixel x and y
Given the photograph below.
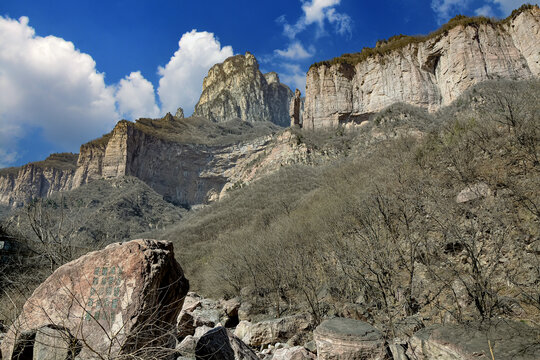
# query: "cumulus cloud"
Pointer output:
{"type": "Point", "coordinates": [506, 6]}
{"type": "Point", "coordinates": [47, 83]}
{"type": "Point", "coordinates": [135, 97]}
{"type": "Point", "coordinates": [445, 9]}
{"type": "Point", "coordinates": [181, 79]}
{"type": "Point", "coordinates": [318, 12]}
{"type": "Point", "coordinates": [485, 10]}
{"type": "Point", "coordinates": [295, 51]}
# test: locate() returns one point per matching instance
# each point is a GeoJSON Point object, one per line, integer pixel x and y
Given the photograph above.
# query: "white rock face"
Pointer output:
{"type": "Point", "coordinates": [429, 74]}
{"type": "Point", "coordinates": [237, 89]}
{"type": "Point", "coordinates": [31, 181]}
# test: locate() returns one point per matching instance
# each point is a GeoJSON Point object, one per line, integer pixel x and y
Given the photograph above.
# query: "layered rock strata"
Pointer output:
{"type": "Point", "coordinates": [20, 185]}
{"type": "Point", "coordinates": [430, 73]}
{"type": "Point", "coordinates": [236, 88]}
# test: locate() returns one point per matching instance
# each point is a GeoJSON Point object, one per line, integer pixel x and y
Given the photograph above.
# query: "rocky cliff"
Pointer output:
{"type": "Point", "coordinates": [430, 71]}
{"type": "Point", "coordinates": [40, 179]}
{"type": "Point", "coordinates": [236, 88]}
{"type": "Point", "coordinates": [185, 173]}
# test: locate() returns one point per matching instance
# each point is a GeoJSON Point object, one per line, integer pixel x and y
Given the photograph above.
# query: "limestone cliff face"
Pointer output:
{"type": "Point", "coordinates": [430, 74]}
{"type": "Point", "coordinates": [18, 186]}
{"type": "Point", "coordinates": [186, 174]}
{"type": "Point", "coordinates": [237, 89]}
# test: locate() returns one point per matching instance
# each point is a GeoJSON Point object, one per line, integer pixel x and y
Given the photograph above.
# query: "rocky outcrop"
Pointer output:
{"type": "Point", "coordinates": [186, 174]}
{"type": "Point", "coordinates": [237, 89]}
{"type": "Point", "coordinates": [121, 300]}
{"type": "Point", "coordinates": [429, 73]}
{"type": "Point", "coordinates": [183, 173]}
{"type": "Point", "coordinates": [501, 340]}
{"type": "Point", "coordinates": [272, 331]}
{"type": "Point", "coordinates": [294, 110]}
{"type": "Point", "coordinates": [19, 185]}
{"type": "Point", "coordinates": [349, 339]}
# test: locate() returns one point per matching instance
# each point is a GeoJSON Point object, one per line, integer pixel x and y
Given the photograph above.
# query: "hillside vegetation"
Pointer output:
{"type": "Point", "coordinates": [435, 216]}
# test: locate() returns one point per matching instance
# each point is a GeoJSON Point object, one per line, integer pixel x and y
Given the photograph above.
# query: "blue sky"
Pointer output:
{"type": "Point", "coordinates": [69, 70]}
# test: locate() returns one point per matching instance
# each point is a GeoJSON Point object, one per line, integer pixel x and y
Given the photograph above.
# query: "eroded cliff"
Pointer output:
{"type": "Point", "coordinates": [40, 179]}
{"type": "Point", "coordinates": [429, 72]}
{"type": "Point", "coordinates": [236, 88]}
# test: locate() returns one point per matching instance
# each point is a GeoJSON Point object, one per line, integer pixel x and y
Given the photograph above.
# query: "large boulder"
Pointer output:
{"type": "Point", "coordinates": [220, 344]}
{"type": "Point", "coordinates": [348, 339]}
{"type": "Point", "coordinates": [272, 331]}
{"type": "Point", "coordinates": [508, 340]}
{"type": "Point", "coordinates": [119, 301]}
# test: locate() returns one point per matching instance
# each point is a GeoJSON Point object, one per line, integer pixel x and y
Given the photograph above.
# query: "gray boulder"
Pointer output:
{"type": "Point", "coordinates": [348, 339]}
{"type": "Point", "coordinates": [508, 340]}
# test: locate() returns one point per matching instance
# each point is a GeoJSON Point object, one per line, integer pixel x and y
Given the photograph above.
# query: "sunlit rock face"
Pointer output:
{"type": "Point", "coordinates": [236, 88]}
{"type": "Point", "coordinates": [430, 74]}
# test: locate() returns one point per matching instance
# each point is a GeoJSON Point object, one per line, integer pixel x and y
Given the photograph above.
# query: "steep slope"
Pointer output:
{"type": "Point", "coordinates": [430, 71]}
{"type": "Point", "coordinates": [102, 211]}
{"type": "Point", "coordinates": [237, 89]}
{"type": "Point", "coordinates": [39, 179]}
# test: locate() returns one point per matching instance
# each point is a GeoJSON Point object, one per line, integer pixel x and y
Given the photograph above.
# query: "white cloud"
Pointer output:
{"type": "Point", "coordinates": [446, 9]}
{"type": "Point", "coordinates": [485, 10]}
{"type": "Point", "coordinates": [295, 51]}
{"type": "Point", "coordinates": [293, 76]}
{"type": "Point", "coordinates": [317, 12]}
{"type": "Point", "coordinates": [181, 79]}
{"type": "Point", "coordinates": [135, 97]}
{"type": "Point", "coordinates": [48, 84]}
{"type": "Point", "coordinates": [506, 6]}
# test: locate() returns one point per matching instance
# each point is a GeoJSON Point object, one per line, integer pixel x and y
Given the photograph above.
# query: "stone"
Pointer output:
{"type": "Point", "coordinates": [201, 330]}
{"type": "Point", "coordinates": [473, 192]}
{"type": "Point", "coordinates": [348, 339]}
{"type": "Point", "coordinates": [55, 344]}
{"type": "Point", "coordinates": [186, 325]}
{"type": "Point", "coordinates": [220, 344]}
{"type": "Point", "coordinates": [398, 352]}
{"type": "Point", "coordinates": [179, 114]}
{"type": "Point", "coordinates": [431, 73]}
{"type": "Point", "coordinates": [245, 312]}
{"type": "Point", "coordinates": [236, 89]}
{"type": "Point", "coordinates": [272, 331]}
{"type": "Point", "coordinates": [187, 346]}
{"type": "Point", "coordinates": [231, 306]}
{"type": "Point", "coordinates": [293, 353]}
{"type": "Point", "coordinates": [294, 109]}
{"type": "Point", "coordinates": [508, 340]}
{"type": "Point", "coordinates": [119, 300]}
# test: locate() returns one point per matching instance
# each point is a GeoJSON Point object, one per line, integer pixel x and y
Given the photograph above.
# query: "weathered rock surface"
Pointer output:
{"type": "Point", "coordinates": [272, 331]}
{"type": "Point", "coordinates": [294, 109]}
{"type": "Point", "coordinates": [41, 179]}
{"type": "Point", "coordinates": [508, 340]}
{"type": "Point", "coordinates": [293, 353]}
{"type": "Point", "coordinates": [220, 344]}
{"type": "Point", "coordinates": [55, 344]}
{"type": "Point", "coordinates": [430, 74]}
{"type": "Point", "coordinates": [237, 89]}
{"type": "Point", "coordinates": [473, 192]}
{"type": "Point", "coordinates": [348, 339]}
{"type": "Point", "coordinates": [119, 300]}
